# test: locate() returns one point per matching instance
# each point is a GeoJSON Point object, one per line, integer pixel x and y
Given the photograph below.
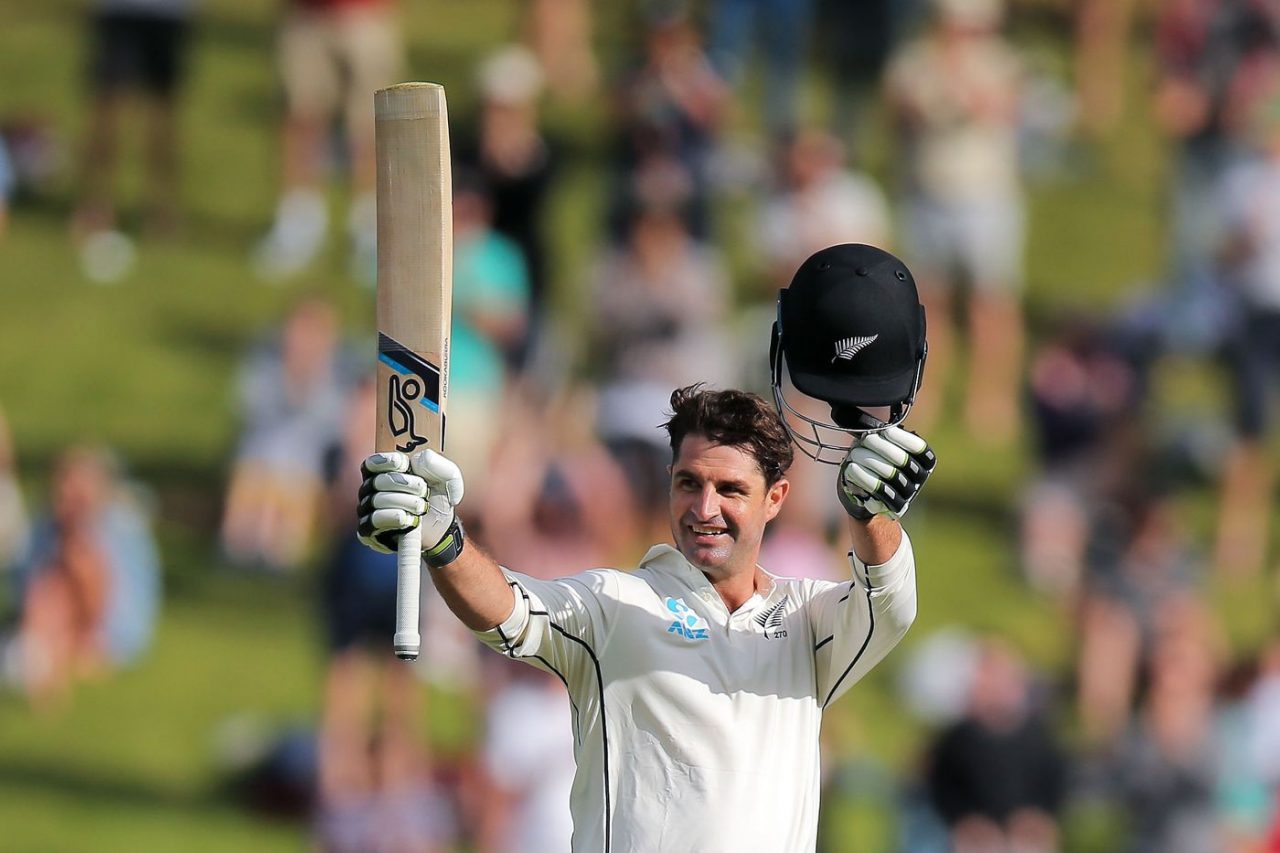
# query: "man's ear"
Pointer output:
{"type": "Point", "coordinates": [776, 495]}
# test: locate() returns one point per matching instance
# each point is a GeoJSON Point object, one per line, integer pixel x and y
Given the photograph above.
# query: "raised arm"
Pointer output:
{"type": "Point", "coordinates": [399, 492]}
{"type": "Point", "coordinates": [857, 624]}
{"type": "Point", "coordinates": [878, 479]}
{"type": "Point", "coordinates": [475, 589]}
{"type": "Point", "coordinates": [876, 539]}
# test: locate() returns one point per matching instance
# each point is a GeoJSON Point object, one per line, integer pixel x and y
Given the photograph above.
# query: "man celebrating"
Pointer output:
{"type": "Point", "coordinates": [698, 681]}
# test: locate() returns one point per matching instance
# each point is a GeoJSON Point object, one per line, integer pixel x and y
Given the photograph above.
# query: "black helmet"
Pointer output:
{"type": "Point", "coordinates": [851, 332]}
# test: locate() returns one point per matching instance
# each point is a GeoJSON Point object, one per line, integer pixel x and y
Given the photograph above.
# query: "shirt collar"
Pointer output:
{"type": "Point", "coordinates": [668, 559]}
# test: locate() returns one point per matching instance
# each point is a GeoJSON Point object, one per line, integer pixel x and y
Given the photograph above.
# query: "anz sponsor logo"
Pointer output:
{"type": "Point", "coordinates": [771, 620]}
{"type": "Point", "coordinates": [687, 624]}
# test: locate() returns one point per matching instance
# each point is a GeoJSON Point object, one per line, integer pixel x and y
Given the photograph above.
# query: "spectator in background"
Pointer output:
{"type": "Point", "coordinates": [784, 29]}
{"type": "Point", "coordinates": [91, 581]}
{"type": "Point", "coordinates": [517, 163]}
{"type": "Point", "coordinates": [1264, 706]}
{"type": "Point", "coordinates": [1250, 260]}
{"type": "Point", "coordinates": [375, 789]}
{"type": "Point", "coordinates": [490, 320]}
{"type": "Point", "coordinates": [561, 490]}
{"type": "Point", "coordinates": [527, 764]}
{"type": "Point", "coordinates": [1248, 749]}
{"type": "Point", "coordinates": [290, 399]}
{"type": "Point", "coordinates": [559, 33]}
{"type": "Point", "coordinates": [133, 605]}
{"type": "Point", "coordinates": [15, 528]}
{"type": "Point", "coordinates": [660, 302]}
{"type": "Point", "coordinates": [1103, 32]}
{"type": "Point", "coordinates": [953, 95]}
{"type": "Point", "coordinates": [669, 113]}
{"type": "Point", "coordinates": [997, 776]}
{"type": "Point", "coordinates": [1084, 388]}
{"type": "Point", "coordinates": [36, 155]}
{"type": "Point", "coordinates": [1218, 62]}
{"type": "Point", "coordinates": [8, 182]}
{"type": "Point", "coordinates": [1142, 586]}
{"type": "Point", "coordinates": [858, 36]}
{"type": "Point", "coordinates": [333, 54]}
{"type": "Point", "coordinates": [818, 203]}
{"type": "Point", "coordinates": [1164, 769]}
{"type": "Point", "coordinates": [138, 47]}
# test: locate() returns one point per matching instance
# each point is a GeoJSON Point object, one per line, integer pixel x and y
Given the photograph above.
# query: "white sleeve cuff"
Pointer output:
{"type": "Point", "coordinates": [506, 635]}
{"type": "Point", "coordinates": [889, 573]}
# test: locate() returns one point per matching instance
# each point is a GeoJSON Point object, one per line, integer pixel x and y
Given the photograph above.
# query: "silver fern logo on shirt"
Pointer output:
{"type": "Point", "coordinates": [847, 348]}
{"type": "Point", "coordinates": [771, 619]}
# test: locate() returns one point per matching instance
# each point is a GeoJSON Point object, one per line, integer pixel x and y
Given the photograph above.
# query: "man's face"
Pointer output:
{"type": "Point", "coordinates": [720, 506]}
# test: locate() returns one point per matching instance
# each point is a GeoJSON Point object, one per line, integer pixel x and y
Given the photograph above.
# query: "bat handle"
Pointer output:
{"type": "Point", "coordinates": [408, 584]}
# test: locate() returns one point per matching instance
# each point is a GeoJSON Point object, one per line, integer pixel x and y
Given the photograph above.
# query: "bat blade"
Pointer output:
{"type": "Point", "coordinates": [415, 297]}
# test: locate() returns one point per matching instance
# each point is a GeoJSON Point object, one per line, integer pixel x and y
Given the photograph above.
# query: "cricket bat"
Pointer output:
{"type": "Point", "coordinates": [415, 297]}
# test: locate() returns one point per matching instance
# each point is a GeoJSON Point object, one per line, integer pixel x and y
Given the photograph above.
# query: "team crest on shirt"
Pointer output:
{"type": "Point", "coordinates": [771, 620]}
{"type": "Point", "coordinates": [687, 624]}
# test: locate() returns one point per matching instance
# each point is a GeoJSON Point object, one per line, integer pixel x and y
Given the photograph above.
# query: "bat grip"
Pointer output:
{"type": "Point", "coordinates": [408, 584]}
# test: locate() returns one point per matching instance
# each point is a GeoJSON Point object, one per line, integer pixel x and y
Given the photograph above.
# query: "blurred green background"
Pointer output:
{"type": "Point", "coordinates": [146, 366]}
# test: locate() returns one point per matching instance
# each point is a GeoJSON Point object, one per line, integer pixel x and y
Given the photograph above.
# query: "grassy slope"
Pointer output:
{"type": "Point", "coordinates": [146, 365]}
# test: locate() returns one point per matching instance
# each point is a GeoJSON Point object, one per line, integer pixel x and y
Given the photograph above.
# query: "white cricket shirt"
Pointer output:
{"type": "Point", "coordinates": [696, 729]}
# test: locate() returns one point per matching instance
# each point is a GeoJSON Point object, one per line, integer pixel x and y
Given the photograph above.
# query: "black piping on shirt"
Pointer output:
{"type": "Point", "coordinates": [511, 652]}
{"type": "Point", "coordinates": [604, 728]}
{"type": "Point", "coordinates": [822, 643]}
{"type": "Point", "coordinates": [604, 725]}
{"type": "Point", "coordinates": [871, 629]}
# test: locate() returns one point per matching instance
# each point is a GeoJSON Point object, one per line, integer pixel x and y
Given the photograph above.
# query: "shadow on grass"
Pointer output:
{"type": "Point", "coordinates": [100, 788]}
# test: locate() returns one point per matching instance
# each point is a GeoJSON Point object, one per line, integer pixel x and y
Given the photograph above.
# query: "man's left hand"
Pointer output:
{"type": "Point", "coordinates": [883, 472]}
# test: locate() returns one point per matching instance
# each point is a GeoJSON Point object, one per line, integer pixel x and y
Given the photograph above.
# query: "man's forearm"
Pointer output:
{"type": "Point", "coordinates": [475, 589]}
{"type": "Point", "coordinates": [875, 541]}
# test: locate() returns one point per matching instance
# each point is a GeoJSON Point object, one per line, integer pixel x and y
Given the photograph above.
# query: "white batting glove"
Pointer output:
{"type": "Point", "coordinates": [883, 472]}
{"type": "Point", "coordinates": [399, 493]}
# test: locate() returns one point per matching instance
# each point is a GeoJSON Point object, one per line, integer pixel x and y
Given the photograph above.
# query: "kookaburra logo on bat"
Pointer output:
{"type": "Point", "coordinates": [404, 392]}
{"type": "Point", "coordinates": [413, 382]}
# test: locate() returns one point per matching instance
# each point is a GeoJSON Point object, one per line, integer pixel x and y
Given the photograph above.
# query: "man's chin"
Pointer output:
{"type": "Point", "coordinates": [706, 559]}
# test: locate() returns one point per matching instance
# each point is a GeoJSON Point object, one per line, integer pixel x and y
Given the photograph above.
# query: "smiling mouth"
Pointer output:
{"type": "Point", "coordinates": [700, 531]}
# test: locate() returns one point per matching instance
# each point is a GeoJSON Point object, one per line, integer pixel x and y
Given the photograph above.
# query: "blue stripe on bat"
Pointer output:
{"type": "Point", "coordinates": [402, 361]}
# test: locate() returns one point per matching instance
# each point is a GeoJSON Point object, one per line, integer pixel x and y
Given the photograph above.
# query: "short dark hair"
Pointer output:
{"type": "Point", "coordinates": [732, 419]}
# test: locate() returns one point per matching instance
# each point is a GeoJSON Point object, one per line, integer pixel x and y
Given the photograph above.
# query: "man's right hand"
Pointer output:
{"type": "Point", "coordinates": [399, 493]}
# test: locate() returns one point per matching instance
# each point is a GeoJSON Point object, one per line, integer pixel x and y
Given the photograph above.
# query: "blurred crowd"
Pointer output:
{"type": "Point", "coordinates": [1157, 721]}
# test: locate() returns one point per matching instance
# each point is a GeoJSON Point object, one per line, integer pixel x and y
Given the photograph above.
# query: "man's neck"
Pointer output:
{"type": "Point", "coordinates": [737, 589]}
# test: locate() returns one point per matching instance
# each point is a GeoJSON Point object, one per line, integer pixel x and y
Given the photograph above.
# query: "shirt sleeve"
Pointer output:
{"type": "Point", "coordinates": [559, 626]}
{"type": "Point", "coordinates": [856, 624]}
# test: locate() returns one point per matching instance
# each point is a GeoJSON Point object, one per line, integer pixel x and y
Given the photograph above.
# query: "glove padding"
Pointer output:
{"type": "Point", "coordinates": [883, 472]}
{"type": "Point", "coordinates": [399, 493]}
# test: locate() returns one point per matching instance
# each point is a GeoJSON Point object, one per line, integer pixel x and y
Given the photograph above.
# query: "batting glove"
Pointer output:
{"type": "Point", "coordinates": [883, 472]}
{"type": "Point", "coordinates": [399, 493]}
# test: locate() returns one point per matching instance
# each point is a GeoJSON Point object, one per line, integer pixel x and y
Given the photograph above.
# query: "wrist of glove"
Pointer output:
{"type": "Point", "coordinates": [883, 472]}
{"type": "Point", "coordinates": [400, 492]}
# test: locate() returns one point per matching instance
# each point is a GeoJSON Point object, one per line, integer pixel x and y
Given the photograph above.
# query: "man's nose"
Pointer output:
{"type": "Point", "coordinates": [708, 504]}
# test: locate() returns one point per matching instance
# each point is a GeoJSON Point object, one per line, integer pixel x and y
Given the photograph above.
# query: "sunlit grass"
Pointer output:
{"type": "Point", "coordinates": [147, 365]}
